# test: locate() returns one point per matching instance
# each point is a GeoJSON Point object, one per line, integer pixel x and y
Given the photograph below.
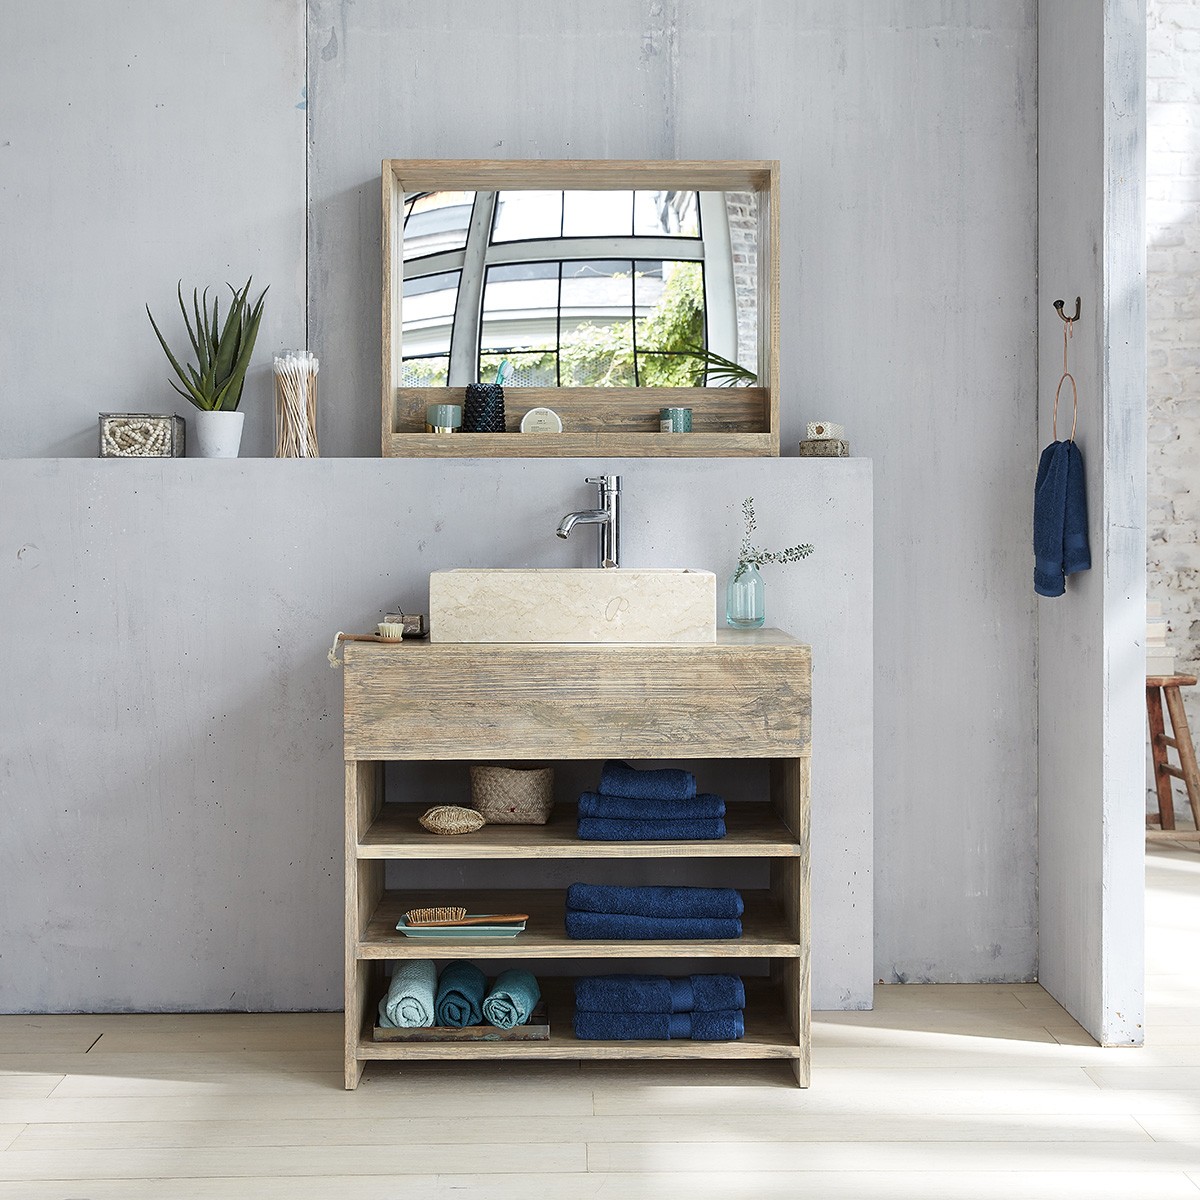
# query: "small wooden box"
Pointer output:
{"type": "Point", "coordinates": [824, 448]}
{"type": "Point", "coordinates": [141, 435]}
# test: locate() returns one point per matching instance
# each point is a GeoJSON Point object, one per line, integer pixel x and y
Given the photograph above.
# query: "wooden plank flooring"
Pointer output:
{"type": "Point", "coordinates": [988, 1091]}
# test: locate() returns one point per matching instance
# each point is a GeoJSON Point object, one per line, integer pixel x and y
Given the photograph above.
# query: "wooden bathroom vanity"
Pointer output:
{"type": "Point", "coordinates": [747, 697]}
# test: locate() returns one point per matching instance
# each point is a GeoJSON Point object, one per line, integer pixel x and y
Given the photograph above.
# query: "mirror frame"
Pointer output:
{"type": "Point", "coordinates": [728, 421]}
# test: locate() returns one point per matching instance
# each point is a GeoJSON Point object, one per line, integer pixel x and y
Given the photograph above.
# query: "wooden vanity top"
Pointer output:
{"type": "Point", "coordinates": [748, 695]}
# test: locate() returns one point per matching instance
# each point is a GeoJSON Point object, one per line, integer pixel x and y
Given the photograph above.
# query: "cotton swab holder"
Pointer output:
{"type": "Point", "coordinates": [296, 404]}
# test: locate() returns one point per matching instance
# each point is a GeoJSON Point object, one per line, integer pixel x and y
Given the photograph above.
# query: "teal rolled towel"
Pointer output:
{"type": "Point", "coordinates": [512, 999]}
{"type": "Point", "coordinates": [409, 1001]}
{"type": "Point", "coordinates": [460, 993]}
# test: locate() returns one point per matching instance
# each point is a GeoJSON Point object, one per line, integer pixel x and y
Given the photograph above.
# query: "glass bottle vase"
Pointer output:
{"type": "Point", "coordinates": [744, 602]}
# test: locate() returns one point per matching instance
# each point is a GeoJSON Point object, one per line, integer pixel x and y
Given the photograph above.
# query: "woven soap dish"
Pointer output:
{"type": "Point", "coordinates": [450, 819]}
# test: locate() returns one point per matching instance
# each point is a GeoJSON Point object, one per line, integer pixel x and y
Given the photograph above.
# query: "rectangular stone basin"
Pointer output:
{"type": "Point", "coordinates": [618, 605]}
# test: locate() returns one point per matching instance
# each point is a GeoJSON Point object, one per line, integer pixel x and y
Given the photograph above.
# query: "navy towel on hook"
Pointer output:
{"type": "Point", "coordinates": [1060, 541]}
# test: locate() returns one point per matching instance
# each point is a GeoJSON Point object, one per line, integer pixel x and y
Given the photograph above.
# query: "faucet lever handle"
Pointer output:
{"type": "Point", "coordinates": [609, 482]}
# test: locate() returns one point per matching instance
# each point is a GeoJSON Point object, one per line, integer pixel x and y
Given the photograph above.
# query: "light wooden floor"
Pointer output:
{"type": "Point", "coordinates": [980, 1091]}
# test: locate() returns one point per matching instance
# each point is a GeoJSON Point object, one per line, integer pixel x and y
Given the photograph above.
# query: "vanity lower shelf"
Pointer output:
{"type": "Point", "coordinates": [764, 931]}
{"type": "Point", "coordinates": [755, 831]}
{"type": "Point", "coordinates": [769, 1035]}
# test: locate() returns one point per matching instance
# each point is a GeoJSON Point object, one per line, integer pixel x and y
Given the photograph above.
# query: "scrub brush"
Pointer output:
{"type": "Point", "coordinates": [421, 917]}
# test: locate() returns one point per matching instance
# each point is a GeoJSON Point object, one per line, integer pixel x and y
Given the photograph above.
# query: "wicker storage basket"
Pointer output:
{"type": "Point", "coordinates": [516, 795]}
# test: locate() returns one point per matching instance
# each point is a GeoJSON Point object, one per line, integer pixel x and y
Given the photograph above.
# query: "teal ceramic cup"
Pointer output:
{"type": "Point", "coordinates": [443, 418]}
{"type": "Point", "coordinates": [675, 420]}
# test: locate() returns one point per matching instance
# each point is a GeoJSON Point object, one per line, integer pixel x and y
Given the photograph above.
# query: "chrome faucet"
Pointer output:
{"type": "Point", "coordinates": [607, 515]}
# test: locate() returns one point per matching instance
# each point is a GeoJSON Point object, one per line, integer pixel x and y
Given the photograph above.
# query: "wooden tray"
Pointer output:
{"type": "Point", "coordinates": [536, 1029]}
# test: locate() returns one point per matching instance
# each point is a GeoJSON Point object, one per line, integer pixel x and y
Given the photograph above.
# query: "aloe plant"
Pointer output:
{"type": "Point", "coordinates": [222, 351]}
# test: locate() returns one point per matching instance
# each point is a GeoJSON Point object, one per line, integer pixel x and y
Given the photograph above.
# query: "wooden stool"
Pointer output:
{"type": "Point", "coordinates": [1158, 686]}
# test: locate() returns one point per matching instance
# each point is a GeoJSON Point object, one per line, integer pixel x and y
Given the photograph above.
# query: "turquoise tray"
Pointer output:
{"type": "Point", "coordinates": [459, 933]}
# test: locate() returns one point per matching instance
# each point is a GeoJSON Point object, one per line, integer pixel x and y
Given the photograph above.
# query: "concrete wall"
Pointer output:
{"type": "Point", "coordinates": [172, 764]}
{"type": "Point", "coordinates": [141, 144]}
{"type": "Point", "coordinates": [1091, 654]}
{"type": "Point", "coordinates": [1173, 330]}
{"type": "Point", "coordinates": [907, 140]}
{"type": "Point", "coordinates": [907, 135]}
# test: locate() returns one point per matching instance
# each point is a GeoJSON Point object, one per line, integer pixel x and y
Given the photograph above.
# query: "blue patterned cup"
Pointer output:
{"type": "Point", "coordinates": [675, 420]}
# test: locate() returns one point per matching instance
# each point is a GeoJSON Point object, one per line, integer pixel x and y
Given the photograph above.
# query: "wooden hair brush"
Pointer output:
{"type": "Point", "coordinates": [430, 917]}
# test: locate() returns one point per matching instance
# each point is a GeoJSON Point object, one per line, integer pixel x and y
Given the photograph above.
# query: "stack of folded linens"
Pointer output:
{"type": "Point", "coordinates": [653, 913]}
{"type": "Point", "coordinates": [623, 1008]}
{"type": "Point", "coordinates": [649, 806]}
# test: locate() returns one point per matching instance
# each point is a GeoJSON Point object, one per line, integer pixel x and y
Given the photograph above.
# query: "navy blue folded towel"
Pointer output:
{"type": "Point", "coordinates": [655, 901]}
{"type": "Point", "coordinates": [602, 829]}
{"type": "Point", "coordinates": [724, 1026]}
{"type": "Point", "coordinates": [460, 993]}
{"type": "Point", "coordinates": [627, 808]}
{"type": "Point", "coordinates": [593, 926]}
{"type": "Point", "coordinates": [658, 994]}
{"type": "Point", "coordinates": [1060, 541]}
{"type": "Point", "coordinates": [620, 779]}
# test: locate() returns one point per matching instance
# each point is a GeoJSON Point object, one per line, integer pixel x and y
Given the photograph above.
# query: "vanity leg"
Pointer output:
{"type": "Point", "coordinates": [364, 887]}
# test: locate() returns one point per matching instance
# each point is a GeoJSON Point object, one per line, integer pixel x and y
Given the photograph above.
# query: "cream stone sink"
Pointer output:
{"type": "Point", "coordinates": [617, 605]}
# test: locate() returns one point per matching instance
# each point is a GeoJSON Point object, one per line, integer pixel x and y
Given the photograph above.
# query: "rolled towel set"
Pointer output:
{"type": "Point", "coordinates": [622, 1008]}
{"type": "Point", "coordinates": [418, 999]}
{"type": "Point", "coordinates": [597, 911]}
{"type": "Point", "coordinates": [633, 805]}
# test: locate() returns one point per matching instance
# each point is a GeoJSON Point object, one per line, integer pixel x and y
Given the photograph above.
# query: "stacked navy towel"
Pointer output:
{"type": "Point", "coordinates": [624, 1008]}
{"type": "Point", "coordinates": [649, 806]}
{"type": "Point", "coordinates": [598, 911]}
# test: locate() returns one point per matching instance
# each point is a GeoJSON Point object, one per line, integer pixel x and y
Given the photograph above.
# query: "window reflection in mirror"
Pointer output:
{"type": "Point", "coordinates": [579, 288]}
{"type": "Point", "coordinates": [435, 222]}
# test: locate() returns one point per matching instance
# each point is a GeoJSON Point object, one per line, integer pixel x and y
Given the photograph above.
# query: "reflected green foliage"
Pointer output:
{"type": "Point", "coordinates": [602, 355]}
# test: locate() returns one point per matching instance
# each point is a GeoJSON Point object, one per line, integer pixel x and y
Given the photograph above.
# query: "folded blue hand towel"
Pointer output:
{"type": "Point", "coordinates": [460, 994]}
{"type": "Point", "coordinates": [1077, 554]}
{"type": "Point", "coordinates": [669, 783]}
{"type": "Point", "coordinates": [724, 1026]}
{"type": "Point", "coordinates": [513, 997]}
{"type": "Point", "coordinates": [602, 829]}
{"type": "Point", "coordinates": [409, 1001]}
{"type": "Point", "coordinates": [658, 994]}
{"type": "Point", "coordinates": [625, 808]}
{"type": "Point", "coordinates": [622, 927]}
{"type": "Point", "coordinates": [655, 901]}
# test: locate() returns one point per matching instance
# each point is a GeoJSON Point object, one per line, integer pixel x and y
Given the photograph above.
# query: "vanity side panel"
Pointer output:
{"type": "Point", "coordinates": [424, 701]}
{"type": "Point", "coordinates": [364, 887]}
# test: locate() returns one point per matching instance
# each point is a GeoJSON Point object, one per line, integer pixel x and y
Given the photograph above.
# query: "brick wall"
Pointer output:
{"type": "Point", "coordinates": [1173, 326]}
{"type": "Point", "coordinates": [742, 210]}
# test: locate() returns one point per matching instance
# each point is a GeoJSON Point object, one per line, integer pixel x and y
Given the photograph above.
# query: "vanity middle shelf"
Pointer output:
{"type": "Point", "coordinates": [765, 931]}
{"type": "Point", "coordinates": [754, 831]}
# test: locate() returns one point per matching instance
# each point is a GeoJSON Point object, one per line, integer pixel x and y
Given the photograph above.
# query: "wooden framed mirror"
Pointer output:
{"type": "Point", "coordinates": [602, 290]}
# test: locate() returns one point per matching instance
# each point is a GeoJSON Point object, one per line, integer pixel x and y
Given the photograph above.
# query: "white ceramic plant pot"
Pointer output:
{"type": "Point", "coordinates": [218, 434]}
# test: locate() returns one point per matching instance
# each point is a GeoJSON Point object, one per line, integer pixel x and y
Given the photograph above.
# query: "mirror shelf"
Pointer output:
{"type": "Point", "coordinates": [727, 421]}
